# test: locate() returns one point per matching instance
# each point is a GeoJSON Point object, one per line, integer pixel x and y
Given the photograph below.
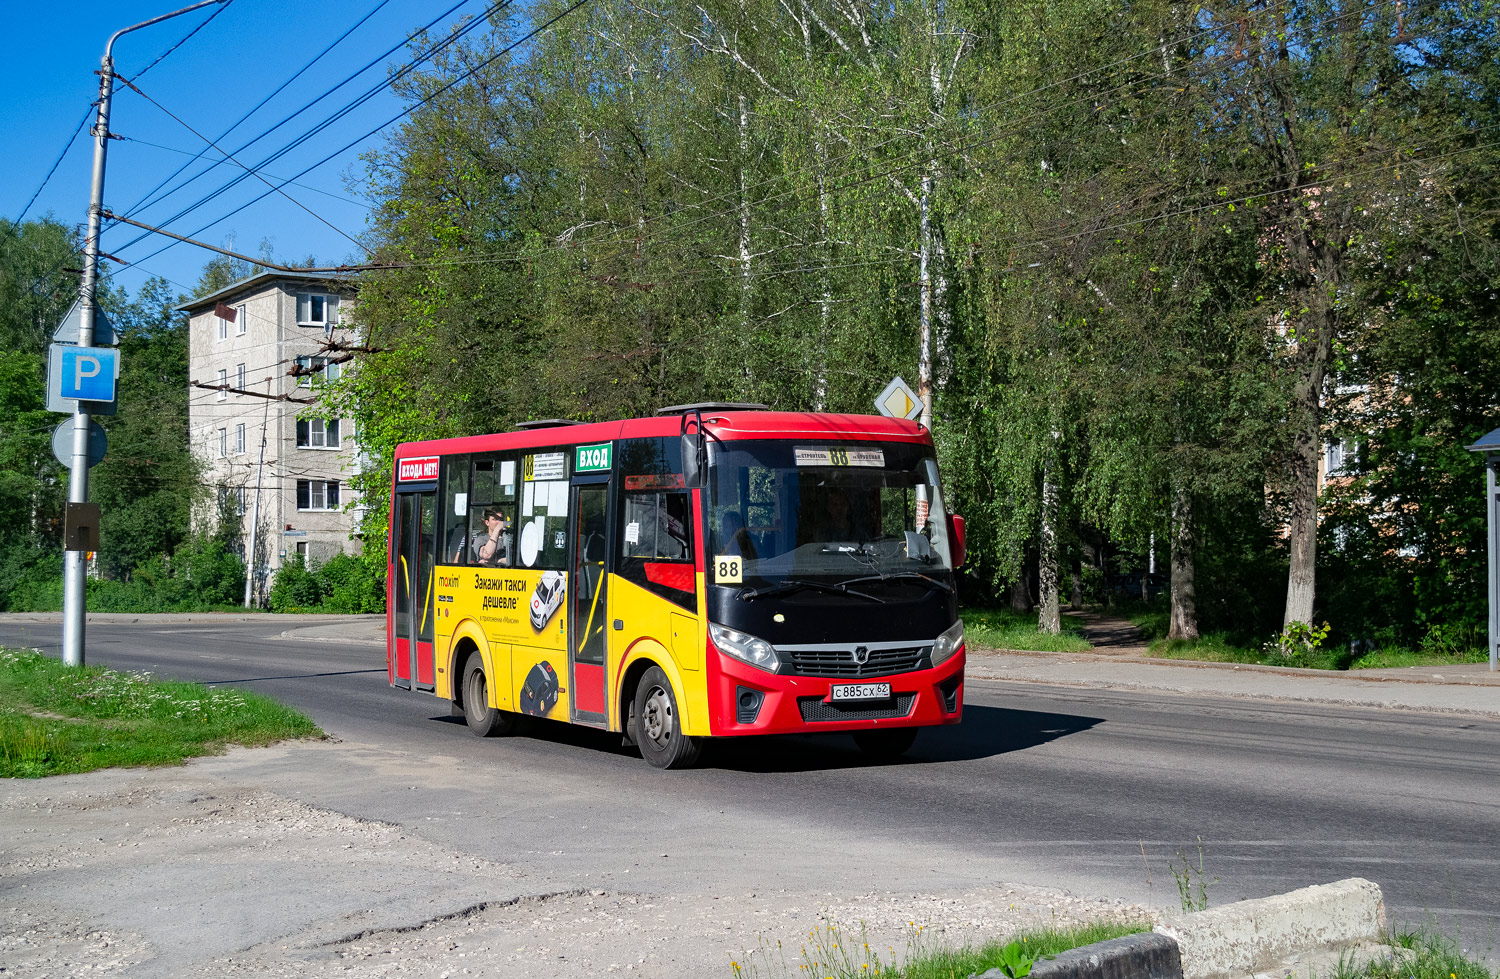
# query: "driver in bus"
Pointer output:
{"type": "Point", "coordinates": [734, 537]}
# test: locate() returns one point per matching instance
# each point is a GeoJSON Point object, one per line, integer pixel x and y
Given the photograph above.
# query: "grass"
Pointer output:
{"type": "Point", "coordinates": [1002, 628]}
{"type": "Point", "coordinates": [1435, 957]}
{"type": "Point", "coordinates": [829, 955]}
{"type": "Point", "coordinates": [1221, 647]}
{"type": "Point", "coordinates": [57, 720]}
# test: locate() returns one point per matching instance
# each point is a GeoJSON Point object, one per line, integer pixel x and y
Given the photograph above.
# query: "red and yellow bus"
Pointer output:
{"type": "Point", "coordinates": [715, 571]}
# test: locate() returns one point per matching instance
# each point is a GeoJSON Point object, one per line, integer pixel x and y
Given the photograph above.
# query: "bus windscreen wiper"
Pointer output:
{"type": "Point", "coordinates": [940, 585]}
{"type": "Point", "coordinates": [794, 584]}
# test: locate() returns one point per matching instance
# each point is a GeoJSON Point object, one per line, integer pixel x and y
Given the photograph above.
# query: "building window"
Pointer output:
{"type": "Point", "coordinates": [232, 500]}
{"type": "Point", "coordinates": [317, 494]}
{"type": "Point", "coordinates": [317, 433]}
{"type": "Point", "coordinates": [223, 442]}
{"type": "Point", "coordinates": [223, 385]}
{"type": "Point", "coordinates": [302, 549]}
{"type": "Point", "coordinates": [223, 327]}
{"type": "Point", "coordinates": [239, 438]}
{"type": "Point", "coordinates": [239, 377]}
{"type": "Point", "coordinates": [1337, 455]}
{"type": "Point", "coordinates": [317, 309]}
{"type": "Point", "coordinates": [313, 371]}
{"type": "Point", "coordinates": [239, 320]}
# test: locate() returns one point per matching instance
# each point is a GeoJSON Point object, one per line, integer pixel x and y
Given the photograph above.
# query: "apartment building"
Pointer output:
{"type": "Point", "coordinates": [244, 342]}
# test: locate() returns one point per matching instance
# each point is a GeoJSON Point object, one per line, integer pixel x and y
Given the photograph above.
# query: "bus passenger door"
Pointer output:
{"type": "Point", "coordinates": [588, 604]}
{"type": "Point", "coordinates": [416, 553]}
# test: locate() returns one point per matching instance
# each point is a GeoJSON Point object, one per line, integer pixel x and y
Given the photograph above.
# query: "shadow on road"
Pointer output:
{"type": "Point", "coordinates": [984, 733]}
{"type": "Point", "coordinates": [287, 676]}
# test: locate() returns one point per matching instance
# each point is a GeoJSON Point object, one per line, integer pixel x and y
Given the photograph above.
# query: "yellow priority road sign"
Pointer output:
{"type": "Point", "coordinates": [898, 400]}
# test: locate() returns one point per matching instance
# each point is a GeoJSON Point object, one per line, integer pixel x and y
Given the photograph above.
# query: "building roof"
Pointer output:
{"type": "Point", "coordinates": [257, 281]}
{"type": "Point", "coordinates": [1490, 443]}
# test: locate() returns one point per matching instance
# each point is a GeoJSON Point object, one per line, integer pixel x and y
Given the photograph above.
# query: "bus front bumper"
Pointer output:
{"type": "Point", "coordinates": [745, 700]}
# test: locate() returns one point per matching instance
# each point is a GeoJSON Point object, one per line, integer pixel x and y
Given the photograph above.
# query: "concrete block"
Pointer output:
{"type": "Point", "coordinates": [1260, 936]}
{"type": "Point", "coordinates": [1143, 956]}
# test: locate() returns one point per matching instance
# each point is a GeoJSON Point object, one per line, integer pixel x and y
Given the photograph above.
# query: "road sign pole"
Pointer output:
{"type": "Point", "coordinates": [74, 595]}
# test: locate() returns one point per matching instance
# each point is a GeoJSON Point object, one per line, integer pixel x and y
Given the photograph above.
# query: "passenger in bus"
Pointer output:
{"type": "Point", "coordinates": [491, 546]}
{"type": "Point", "coordinates": [733, 537]}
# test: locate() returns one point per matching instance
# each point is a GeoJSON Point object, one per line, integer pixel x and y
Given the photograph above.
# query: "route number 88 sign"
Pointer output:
{"type": "Point", "coordinates": [729, 569]}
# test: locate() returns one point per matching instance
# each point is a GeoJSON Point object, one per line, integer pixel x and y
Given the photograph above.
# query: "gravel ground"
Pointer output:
{"type": "Point", "coordinates": [174, 873]}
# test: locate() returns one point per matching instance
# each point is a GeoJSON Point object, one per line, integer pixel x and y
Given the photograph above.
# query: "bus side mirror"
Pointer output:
{"type": "Point", "coordinates": [694, 459]}
{"type": "Point", "coordinates": [956, 539]}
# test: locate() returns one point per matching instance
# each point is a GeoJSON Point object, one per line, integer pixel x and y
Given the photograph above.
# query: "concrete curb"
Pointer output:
{"type": "Point", "coordinates": [1313, 927]}
{"type": "Point", "coordinates": [1144, 956]}
{"type": "Point", "coordinates": [1306, 933]}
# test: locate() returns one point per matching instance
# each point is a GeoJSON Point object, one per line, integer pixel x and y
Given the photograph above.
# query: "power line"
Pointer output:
{"type": "Point", "coordinates": [336, 115]}
{"type": "Point", "coordinates": [90, 110]}
{"type": "Point", "coordinates": [55, 164]}
{"type": "Point", "coordinates": [259, 105]}
{"type": "Point", "coordinates": [504, 51]}
{"type": "Point", "coordinates": [847, 181]}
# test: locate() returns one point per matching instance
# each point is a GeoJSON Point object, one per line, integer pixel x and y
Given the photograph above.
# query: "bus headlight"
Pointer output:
{"type": "Point", "coordinates": [744, 647]}
{"type": "Point", "coordinates": [948, 643]}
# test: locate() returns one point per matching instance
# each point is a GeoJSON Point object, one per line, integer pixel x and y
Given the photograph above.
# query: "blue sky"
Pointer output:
{"type": "Point", "coordinates": [51, 51]}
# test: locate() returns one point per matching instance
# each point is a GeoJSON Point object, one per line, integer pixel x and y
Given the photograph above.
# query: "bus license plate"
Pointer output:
{"type": "Point", "coordinates": [859, 691]}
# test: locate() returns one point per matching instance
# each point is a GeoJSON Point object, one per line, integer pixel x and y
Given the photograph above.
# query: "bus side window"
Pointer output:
{"type": "Point", "coordinates": [491, 541]}
{"type": "Point", "coordinates": [655, 535]}
{"type": "Point", "coordinates": [454, 509]}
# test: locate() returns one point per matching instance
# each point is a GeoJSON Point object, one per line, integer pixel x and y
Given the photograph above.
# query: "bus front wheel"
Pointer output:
{"type": "Point", "coordinates": [658, 724]}
{"type": "Point", "coordinates": [484, 720]}
{"type": "Point", "coordinates": [886, 743]}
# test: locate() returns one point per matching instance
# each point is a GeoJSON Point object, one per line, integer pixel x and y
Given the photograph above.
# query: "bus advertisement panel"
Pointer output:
{"type": "Point", "coordinates": [713, 572]}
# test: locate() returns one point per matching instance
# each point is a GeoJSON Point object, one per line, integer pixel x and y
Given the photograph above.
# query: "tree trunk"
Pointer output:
{"type": "Point", "coordinates": [1076, 599]}
{"type": "Point", "coordinates": [924, 345]}
{"type": "Point", "coordinates": [744, 245]}
{"type": "Point", "coordinates": [1314, 353]}
{"type": "Point", "coordinates": [1301, 579]}
{"type": "Point", "coordinates": [1020, 595]}
{"type": "Point", "coordinates": [1184, 618]}
{"type": "Point", "coordinates": [1048, 617]}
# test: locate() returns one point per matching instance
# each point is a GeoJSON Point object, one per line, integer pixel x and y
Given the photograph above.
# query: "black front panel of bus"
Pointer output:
{"type": "Point", "coordinates": [915, 612]}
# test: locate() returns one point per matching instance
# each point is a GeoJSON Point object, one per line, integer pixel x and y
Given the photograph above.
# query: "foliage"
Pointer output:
{"type": "Point", "coordinates": [1002, 628]}
{"type": "Point", "coordinates": [830, 952]}
{"type": "Point", "coordinates": [1154, 248]}
{"type": "Point", "coordinates": [342, 584]}
{"type": "Point", "coordinates": [1192, 885]}
{"type": "Point", "coordinates": [1435, 956]}
{"type": "Point", "coordinates": [1013, 961]}
{"type": "Point", "coordinates": [56, 719]}
{"type": "Point", "coordinates": [1298, 642]}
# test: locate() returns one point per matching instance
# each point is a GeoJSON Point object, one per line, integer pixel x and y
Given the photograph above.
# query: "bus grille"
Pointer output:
{"type": "Point", "coordinates": [841, 663]}
{"type": "Point", "coordinates": [815, 709]}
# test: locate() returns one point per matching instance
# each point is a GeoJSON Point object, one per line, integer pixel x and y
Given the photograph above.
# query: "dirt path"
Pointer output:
{"type": "Point", "coordinates": [1111, 635]}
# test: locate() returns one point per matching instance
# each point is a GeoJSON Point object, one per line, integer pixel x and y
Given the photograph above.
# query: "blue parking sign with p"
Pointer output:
{"type": "Point", "coordinates": [88, 373]}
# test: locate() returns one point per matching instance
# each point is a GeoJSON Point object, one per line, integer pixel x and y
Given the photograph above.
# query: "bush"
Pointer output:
{"type": "Point", "coordinates": [343, 584]}
{"type": "Point", "coordinates": [203, 575]}
{"type": "Point", "coordinates": [296, 589]}
{"type": "Point", "coordinates": [352, 588]}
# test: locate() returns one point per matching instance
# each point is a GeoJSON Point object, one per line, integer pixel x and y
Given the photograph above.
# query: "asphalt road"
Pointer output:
{"type": "Point", "coordinates": [1102, 793]}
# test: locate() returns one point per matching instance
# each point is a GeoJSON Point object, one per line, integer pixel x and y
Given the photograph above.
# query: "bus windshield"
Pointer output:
{"type": "Point", "coordinates": [860, 514]}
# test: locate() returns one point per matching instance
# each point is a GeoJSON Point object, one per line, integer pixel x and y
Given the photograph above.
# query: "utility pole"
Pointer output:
{"type": "Point", "coordinates": [260, 471]}
{"type": "Point", "coordinates": [74, 594]}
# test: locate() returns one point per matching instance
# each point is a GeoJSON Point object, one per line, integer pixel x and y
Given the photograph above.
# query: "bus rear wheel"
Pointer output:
{"type": "Point", "coordinates": [886, 743]}
{"type": "Point", "coordinates": [658, 725]}
{"type": "Point", "coordinates": [484, 720]}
